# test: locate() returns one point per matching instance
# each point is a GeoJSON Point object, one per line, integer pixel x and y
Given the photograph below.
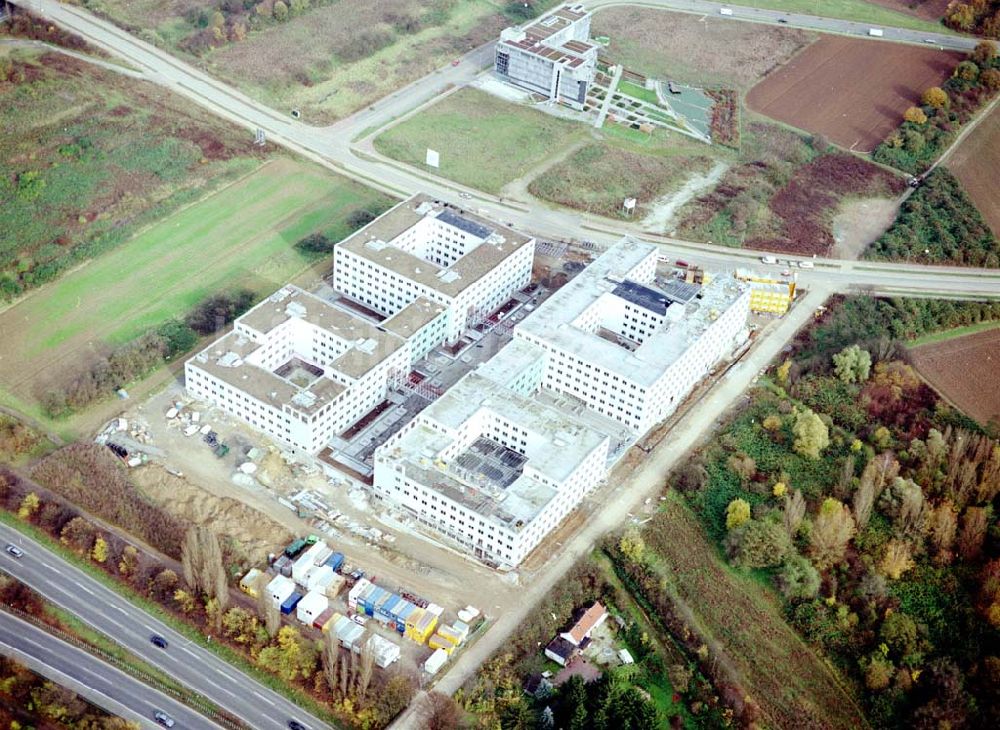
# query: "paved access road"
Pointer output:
{"type": "Point", "coordinates": [100, 683]}
{"type": "Point", "coordinates": [189, 664]}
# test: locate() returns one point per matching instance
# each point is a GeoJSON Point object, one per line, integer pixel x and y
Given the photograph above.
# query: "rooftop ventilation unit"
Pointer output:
{"type": "Point", "coordinates": [230, 360]}
{"type": "Point", "coordinates": [295, 309]}
{"type": "Point", "coordinates": [304, 399]}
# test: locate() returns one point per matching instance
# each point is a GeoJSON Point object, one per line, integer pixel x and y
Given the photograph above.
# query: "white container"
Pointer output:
{"type": "Point", "coordinates": [876, 32]}
{"type": "Point", "coordinates": [171, 413]}
{"type": "Point", "coordinates": [191, 430]}
{"type": "Point", "coordinates": [311, 606]}
{"type": "Point", "coordinates": [435, 661]}
{"type": "Point", "coordinates": [205, 429]}
{"type": "Point", "coordinates": [725, 11]}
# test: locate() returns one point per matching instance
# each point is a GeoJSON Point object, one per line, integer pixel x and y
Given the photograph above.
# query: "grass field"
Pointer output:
{"type": "Point", "coordinates": [599, 176]}
{"type": "Point", "coordinates": [315, 61]}
{"type": "Point", "coordinates": [241, 236]}
{"type": "Point", "coordinates": [686, 48]}
{"type": "Point", "coordinates": [485, 142]}
{"type": "Point", "coordinates": [88, 156]}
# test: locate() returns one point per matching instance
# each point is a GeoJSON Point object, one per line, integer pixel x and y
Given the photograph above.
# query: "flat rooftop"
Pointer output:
{"type": "Point", "coordinates": [230, 358]}
{"type": "Point", "coordinates": [556, 445]}
{"type": "Point", "coordinates": [374, 243]}
{"type": "Point", "coordinates": [609, 276]}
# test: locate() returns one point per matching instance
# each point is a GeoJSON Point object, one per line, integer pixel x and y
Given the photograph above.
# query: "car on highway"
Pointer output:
{"type": "Point", "coordinates": [296, 725]}
{"type": "Point", "coordinates": [782, 20]}
{"type": "Point", "coordinates": [456, 62]}
{"type": "Point", "coordinates": [164, 719]}
{"type": "Point", "coordinates": [806, 265]}
{"type": "Point", "coordinates": [681, 264]}
{"type": "Point", "coordinates": [14, 550]}
{"type": "Point", "coordinates": [157, 640]}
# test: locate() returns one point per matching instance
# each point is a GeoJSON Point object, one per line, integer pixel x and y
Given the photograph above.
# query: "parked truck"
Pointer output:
{"type": "Point", "coordinates": [876, 32]}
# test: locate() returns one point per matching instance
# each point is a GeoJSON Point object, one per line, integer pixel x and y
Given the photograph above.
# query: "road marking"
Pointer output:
{"type": "Point", "coordinates": [84, 588]}
{"type": "Point", "coordinates": [119, 609]}
{"type": "Point", "coordinates": [50, 567]}
{"type": "Point", "coordinates": [267, 700]}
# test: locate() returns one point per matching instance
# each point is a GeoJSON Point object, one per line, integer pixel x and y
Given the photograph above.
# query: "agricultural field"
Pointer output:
{"type": "Point", "coordinates": [932, 10]}
{"type": "Point", "coordinates": [314, 59]}
{"type": "Point", "coordinates": [88, 156]}
{"type": "Point", "coordinates": [242, 236]}
{"type": "Point", "coordinates": [852, 91]}
{"type": "Point", "coordinates": [485, 142]}
{"type": "Point", "coordinates": [959, 367]}
{"type": "Point", "coordinates": [975, 162]}
{"type": "Point", "coordinates": [685, 48]}
{"type": "Point", "coordinates": [599, 176]}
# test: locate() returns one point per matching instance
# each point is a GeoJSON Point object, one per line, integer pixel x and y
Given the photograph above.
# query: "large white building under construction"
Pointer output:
{"type": "Point", "coordinates": [302, 369]}
{"type": "Point", "coordinates": [505, 455]}
{"type": "Point", "coordinates": [552, 56]}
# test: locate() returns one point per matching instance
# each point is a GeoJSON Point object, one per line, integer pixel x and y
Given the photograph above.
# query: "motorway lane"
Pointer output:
{"type": "Point", "coordinates": [116, 617]}
{"type": "Point", "coordinates": [100, 683]}
{"type": "Point", "coordinates": [800, 20]}
{"type": "Point", "coordinates": [333, 146]}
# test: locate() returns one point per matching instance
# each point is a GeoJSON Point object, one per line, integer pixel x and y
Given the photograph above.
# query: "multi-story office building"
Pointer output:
{"type": "Point", "coordinates": [629, 346]}
{"type": "Point", "coordinates": [489, 469]}
{"type": "Point", "coordinates": [423, 248]}
{"type": "Point", "coordinates": [301, 369]}
{"type": "Point", "coordinates": [552, 56]}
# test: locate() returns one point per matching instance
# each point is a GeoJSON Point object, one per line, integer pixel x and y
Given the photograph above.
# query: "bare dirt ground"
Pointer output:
{"type": "Point", "coordinates": [859, 222]}
{"type": "Point", "coordinates": [850, 90]}
{"type": "Point", "coordinates": [207, 491]}
{"type": "Point", "coordinates": [684, 47]}
{"type": "Point", "coordinates": [975, 162]}
{"type": "Point", "coordinates": [964, 370]}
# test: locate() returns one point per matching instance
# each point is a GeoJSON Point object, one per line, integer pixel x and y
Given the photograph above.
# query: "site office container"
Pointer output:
{"type": "Point", "coordinates": [402, 613]}
{"type": "Point", "coordinates": [248, 583]}
{"type": "Point", "coordinates": [335, 561]}
{"type": "Point", "coordinates": [387, 611]}
{"type": "Point", "coordinates": [450, 634]}
{"type": "Point", "coordinates": [439, 642]}
{"type": "Point", "coordinates": [323, 620]}
{"type": "Point", "coordinates": [420, 625]}
{"type": "Point", "coordinates": [289, 604]}
{"type": "Point", "coordinates": [321, 556]}
{"type": "Point", "coordinates": [373, 599]}
{"type": "Point", "coordinates": [306, 564]}
{"type": "Point", "coordinates": [356, 591]}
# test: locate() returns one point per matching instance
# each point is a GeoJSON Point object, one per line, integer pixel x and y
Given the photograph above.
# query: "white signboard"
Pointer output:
{"type": "Point", "coordinates": [433, 158]}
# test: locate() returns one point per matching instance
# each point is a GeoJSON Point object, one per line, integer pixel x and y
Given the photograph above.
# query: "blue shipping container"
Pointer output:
{"type": "Point", "coordinates": [387, 609]}
{"type": "Point", "coordinates": [335, 561]}
{"type": "Point", "coordinates": [402, 614]}
{"type": "Point", "coordinates": [289, 605]}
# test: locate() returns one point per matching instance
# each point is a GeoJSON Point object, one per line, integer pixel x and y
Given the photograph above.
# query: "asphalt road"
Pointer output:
{"type": "Point", "coordinates": [801, 20]}
{"type": "Point", "coordinates": [116, 617]}
{"type": "Point", "coordinates": [100, 683]}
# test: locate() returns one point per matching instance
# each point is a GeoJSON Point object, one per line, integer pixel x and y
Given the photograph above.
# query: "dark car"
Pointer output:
{"type": "Point", "coordinates": [157, 640]}
{"type": "Point", "coordinates": [296, 725]}
{"type": "Point", "coordinates": [163, 718]}
{"type": "Point", "coordinates": [782, 20]}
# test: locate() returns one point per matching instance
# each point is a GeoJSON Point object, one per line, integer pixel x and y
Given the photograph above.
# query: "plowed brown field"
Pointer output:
{"type": "Point", "coordinates": [965, 370]}
{"type": "Point", "coordinates": [926, 9]}
{"type": "Point", "coordinates": [975, 163]}
{"type": "Point", "coordinates": [852, 91]}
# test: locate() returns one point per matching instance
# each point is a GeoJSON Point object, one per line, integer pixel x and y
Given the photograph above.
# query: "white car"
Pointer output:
{"type": "Point", "coordinates": [14, 550]}
{"type": "Point", "coordinates": [806, 265]}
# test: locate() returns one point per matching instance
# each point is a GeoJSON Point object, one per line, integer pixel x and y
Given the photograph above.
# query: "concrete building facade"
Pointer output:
{"type": "Point", "coordinates": [552, 56]}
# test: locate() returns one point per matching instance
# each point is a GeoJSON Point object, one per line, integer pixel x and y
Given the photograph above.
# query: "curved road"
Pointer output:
{"type": "Point", "coordinates": [115, 616]}
{"type": "Point", "coordinates": [334, 147]}
{"type": "Point", "coordinates": [98, 682]}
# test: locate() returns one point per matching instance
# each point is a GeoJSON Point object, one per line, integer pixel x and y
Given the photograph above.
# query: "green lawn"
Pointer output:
{"type": "Point", "coordinates": [953, 333]}
{"type": "Point", "coordinates": [859, 10]}
{"type": "Point", "coordinates": [485, 142]}
{"type": "Point", "coordinates": [241, 236]}
{"type": "Point", "coordinates": [638, 92]}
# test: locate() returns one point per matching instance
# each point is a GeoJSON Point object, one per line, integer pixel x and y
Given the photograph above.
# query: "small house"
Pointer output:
{"type": "Point", "coordinates": [590, 620]}
{"type": "Point", "coordinates": [561, 651]}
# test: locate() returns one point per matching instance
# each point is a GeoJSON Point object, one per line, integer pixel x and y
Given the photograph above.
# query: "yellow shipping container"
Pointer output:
{"type": "Point", "coordinates": [420, 625]}
{"type": "Point", "coordinates": [439, 642]}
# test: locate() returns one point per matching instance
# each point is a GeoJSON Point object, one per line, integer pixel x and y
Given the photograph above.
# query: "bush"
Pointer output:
{"type": "Point", "coordinates": [216, 312]}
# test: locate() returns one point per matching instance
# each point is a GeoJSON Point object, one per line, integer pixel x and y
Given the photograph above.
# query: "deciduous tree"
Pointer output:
{"type": "Point", "coordinates": [915, 114]}
{"type": "Point", "coordinates": [737, 513]}
{"type": "Point", "coordinates": [852, 364]}
{"type": "Point", "coordinates": [936, 97]}
{"type": "Point", "coordinates": [811, 434]}
{"type": "Point", "coordinates": [832, 529]}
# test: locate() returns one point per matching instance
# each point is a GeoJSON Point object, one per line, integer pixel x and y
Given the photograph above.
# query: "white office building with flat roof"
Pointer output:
{"type": "Point", "coordinates": [489, 469]}
{"type": "Point", "coordinates": [631, 347]}
{"type": "Point", "coordinates": [424, 248]}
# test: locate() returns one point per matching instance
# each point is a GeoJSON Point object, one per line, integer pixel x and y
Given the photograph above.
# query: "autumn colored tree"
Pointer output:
{"type": "Point", "coordinates": [983, 53]}
{"type": "Point", "coordinates": [441, 712]}
{"type": "Point", "coordinates": [832, 529]}
{"type": "Point", "coordinates": [737, 513]}
{"type": "Point", "coordinates": [99, 553]}
{"type": "Point", "coordinates": [811, 435]}
{"type": "Point", "coordinates": [852, 364]}
{"type": "Point", "coordinates": [975, 522]}
{"type": "Point", "coordinates": [794, 512]}
{"type": "Point", "coordinates": [896, 560]}
{"type": "Point", "coordinates": [935, 97]}
{"type": "Point", "coordinates": [915, 114]}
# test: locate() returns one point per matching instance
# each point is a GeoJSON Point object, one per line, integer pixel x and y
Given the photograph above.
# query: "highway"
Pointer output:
{"type": "Point", "coordinates": [116, 617]}
{"type": "Point", "coordinates": [98, 682]}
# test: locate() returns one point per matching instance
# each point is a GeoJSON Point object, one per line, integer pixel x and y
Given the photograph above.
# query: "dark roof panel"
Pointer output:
{"type": "Point", "coordinates": [643, 296]}
{"type": "Point", "coordinates": [464, 224]}
{"type": "Point", "coordinates": [680, 291]}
